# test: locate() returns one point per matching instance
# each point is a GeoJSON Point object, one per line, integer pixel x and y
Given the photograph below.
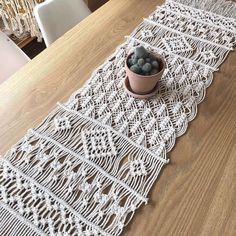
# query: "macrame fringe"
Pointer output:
{"type": "Point", "coordinates": [12, 226]}
{"type": "Point", "coordinates": [18, 18]}
{"type": "Point", "coordinates": [220, 7]}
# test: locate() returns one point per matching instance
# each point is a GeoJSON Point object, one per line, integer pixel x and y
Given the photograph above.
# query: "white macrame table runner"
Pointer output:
{"type": "Point", "coordinates": [92, 161]}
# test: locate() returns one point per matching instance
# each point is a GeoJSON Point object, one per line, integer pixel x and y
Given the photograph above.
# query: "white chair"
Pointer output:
{"type": "Point", "coordinates": [12, 58]}
{"type": "Point", "coordinates": [55, 17]}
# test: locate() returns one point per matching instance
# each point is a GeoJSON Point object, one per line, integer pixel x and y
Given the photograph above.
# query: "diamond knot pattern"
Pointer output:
{"type": "Point", "coordinates": [137, 167]}
{"type": "Point", "coordinates": [62, 123]}
{"type": "Point", "coordinates": [98, 144]}
{"type": "Point", "coordinates": [177, 44]}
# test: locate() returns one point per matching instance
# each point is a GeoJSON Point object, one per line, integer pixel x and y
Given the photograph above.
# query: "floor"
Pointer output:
{"type": "Point", "coordinates": [34, 48]}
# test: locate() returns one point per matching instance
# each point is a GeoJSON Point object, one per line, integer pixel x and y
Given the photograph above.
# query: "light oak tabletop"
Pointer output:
{"type": "Point", "coordinates": [195, 193]}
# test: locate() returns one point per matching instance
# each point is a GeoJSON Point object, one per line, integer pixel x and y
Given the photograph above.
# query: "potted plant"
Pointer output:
{"type": "Point", "coordinates": [144, 69]}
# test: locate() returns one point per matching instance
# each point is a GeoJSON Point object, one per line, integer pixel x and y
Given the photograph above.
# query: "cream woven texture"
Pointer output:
{"type": "Point", "coordinates": [92, 161]}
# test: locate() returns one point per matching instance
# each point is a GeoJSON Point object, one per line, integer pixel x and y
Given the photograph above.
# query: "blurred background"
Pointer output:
{"type": "Point", "coordinates": [17, 21]}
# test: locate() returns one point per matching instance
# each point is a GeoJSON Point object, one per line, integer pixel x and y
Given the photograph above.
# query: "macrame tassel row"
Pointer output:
{"type": "Point", "coordinates": [38, 208]}
{"type": "Point", "coordinates": [13, 224]}
{"type": "Point", "coordinates": [196, 19]}
{"type": "Point", "coordinates": [221, 7]}
{"type": "Point", "coordinates": [117, 148]}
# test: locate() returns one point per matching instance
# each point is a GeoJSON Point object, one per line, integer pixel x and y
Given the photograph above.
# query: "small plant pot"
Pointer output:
{"type": "Point", "coordinates": [144, 84]}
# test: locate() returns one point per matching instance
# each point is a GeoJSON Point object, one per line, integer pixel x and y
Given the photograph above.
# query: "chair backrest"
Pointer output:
{"type": "Point", "coordinates": [12, 58]}
{"type": "Point", "coordinates": [55, 17]}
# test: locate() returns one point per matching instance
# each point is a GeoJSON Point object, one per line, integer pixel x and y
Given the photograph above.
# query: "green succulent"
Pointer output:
{"type": "Point", "coordinates": [140, 52]}
{"type": "Point", "coordinates": [136, 69]}
{"type": "Point", "coordinates": [147, 67]}
{"type": "Point", "coordinates": [148, 59]}
{"type": "Point", "coordinates": [155, 64]}
{"type": "Point", "coordinates": [143, 63]}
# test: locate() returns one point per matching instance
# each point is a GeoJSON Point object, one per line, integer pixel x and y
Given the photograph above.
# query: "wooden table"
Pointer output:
{"type": "Point", "coordinates": [195, 194]}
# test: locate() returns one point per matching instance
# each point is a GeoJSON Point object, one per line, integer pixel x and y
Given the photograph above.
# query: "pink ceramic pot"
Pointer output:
{"type": "Point", "coordinates": [141, 84]}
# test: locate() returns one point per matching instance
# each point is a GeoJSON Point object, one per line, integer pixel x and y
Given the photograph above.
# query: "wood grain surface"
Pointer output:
{"type": "Point", "coordinates": [196, 193]}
